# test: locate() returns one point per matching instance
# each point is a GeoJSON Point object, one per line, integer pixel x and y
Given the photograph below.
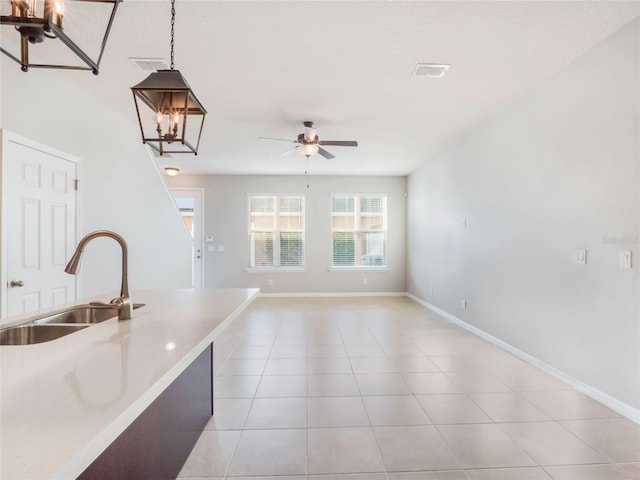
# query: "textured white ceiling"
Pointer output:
{"type": "Point", "coordinates": [262, 68]}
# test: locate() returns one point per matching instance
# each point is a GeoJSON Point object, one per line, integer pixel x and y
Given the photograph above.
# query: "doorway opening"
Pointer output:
{"type": "Point", "coordinates": [190, 203]}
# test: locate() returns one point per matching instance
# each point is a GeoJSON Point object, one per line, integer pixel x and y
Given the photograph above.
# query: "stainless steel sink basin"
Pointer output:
{"type": "Point", "coordinates": [82, 314]}
{"type": "Point", "coordinates": [30, 333]}
{"type": "Point", "coordinates": [59, 324]}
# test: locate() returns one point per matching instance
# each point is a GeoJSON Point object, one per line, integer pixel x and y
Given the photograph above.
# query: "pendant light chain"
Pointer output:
{"type": "Point", "coordinates": [173, 21]}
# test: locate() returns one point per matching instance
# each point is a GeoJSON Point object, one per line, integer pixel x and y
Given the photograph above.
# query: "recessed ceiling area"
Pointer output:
{"type": "Point", "coordinates": [262, 68]}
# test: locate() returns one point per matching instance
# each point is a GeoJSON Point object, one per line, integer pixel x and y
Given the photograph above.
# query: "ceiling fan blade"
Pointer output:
{"type": "Point", "coordinates": [287, 151]}
{"type": "Point", "coordinates": [325, 154]}
{"type": "Point", "coordinates": [278, 139]}
{"type": "Point", "coordinates": [339, 143]}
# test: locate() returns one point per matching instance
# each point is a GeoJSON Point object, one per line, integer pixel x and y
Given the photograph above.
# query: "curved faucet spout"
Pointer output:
{"type": "Point", "coordinates": [123, 302]}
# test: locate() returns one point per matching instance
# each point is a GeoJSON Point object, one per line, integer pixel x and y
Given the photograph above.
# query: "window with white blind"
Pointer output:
{"type": "Point", "coordinates": [276, 231]}
{"type": "Point", "coordinates": [359, 230]}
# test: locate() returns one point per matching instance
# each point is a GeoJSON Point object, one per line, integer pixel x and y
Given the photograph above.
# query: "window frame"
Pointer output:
{"type": "Point", "coordinates": [357, 214]}
{"type": "Point", "coordinates": [276, 267]}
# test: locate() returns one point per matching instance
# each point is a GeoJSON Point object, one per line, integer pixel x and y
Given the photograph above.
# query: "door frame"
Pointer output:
{"type": "Point", "coordinates": [199, 202]}
{"type": "Point", "coordinates": [7, 137]}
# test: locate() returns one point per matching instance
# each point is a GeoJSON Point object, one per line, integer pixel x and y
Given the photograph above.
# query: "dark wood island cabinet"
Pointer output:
{"type": "Point", "coordinates": [157, 444]}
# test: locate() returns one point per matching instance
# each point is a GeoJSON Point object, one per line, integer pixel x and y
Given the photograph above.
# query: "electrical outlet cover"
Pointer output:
{"type": "Point", "coordinates": [579, 256]}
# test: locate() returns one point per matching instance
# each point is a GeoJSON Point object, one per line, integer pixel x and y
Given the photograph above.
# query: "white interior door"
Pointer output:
{"type": "Point", "coordinates": [39, 205]}
{"type": "Point", "coordinates": [190, 202]}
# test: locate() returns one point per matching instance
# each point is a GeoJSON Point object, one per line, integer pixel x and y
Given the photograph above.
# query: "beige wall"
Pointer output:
{"type": "Point", "coordinates": [226, 218]}
{"type": "Point", "coordinates": [557, 171]}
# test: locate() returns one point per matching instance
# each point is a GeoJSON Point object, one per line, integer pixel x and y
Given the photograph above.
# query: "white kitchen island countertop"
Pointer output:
{"type": "Point", "coordinates": [65, 401]}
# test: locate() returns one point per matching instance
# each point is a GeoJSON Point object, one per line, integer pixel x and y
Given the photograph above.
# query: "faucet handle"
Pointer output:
{"type": "Point", "coordinates": [118, 302]}
{"type": "Point", "coordinates": [124, 306]}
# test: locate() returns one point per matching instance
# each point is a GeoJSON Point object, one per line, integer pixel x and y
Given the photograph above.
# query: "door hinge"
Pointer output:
{"type": "Point", "coordinates": [75, 184]}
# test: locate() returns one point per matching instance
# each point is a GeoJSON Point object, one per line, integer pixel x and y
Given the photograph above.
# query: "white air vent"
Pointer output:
{"type": "Point", "coordinates": [149, 64]}
{"type": "Point", "coordinates": [431, 70]}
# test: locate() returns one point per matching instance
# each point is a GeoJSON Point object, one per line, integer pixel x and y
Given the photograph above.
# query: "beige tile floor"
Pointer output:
{"type": "Point", "coordinates": [383, 389]}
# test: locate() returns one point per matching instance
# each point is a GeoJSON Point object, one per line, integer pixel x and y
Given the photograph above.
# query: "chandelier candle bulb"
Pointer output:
{"type": "Point", "coordinates": [20, 8]}
{"type": "Point", "coordinates": [48, 10]}
{"type": "Point", "coordinates": [53, 11]}
{"type": "Point", "coordinates": [58, 13]}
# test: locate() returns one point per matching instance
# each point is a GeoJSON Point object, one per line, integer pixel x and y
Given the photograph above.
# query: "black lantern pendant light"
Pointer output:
{"type": "Point", "coordinates": [168, 95]}
{"type": "Point", "coordinates": [37, 20]}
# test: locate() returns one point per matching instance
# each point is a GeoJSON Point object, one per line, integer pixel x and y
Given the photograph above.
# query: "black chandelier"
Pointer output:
{"type": "Point", "coordinates": [169, 96]}
{"type": "Point", "coordinates": [38, 20]}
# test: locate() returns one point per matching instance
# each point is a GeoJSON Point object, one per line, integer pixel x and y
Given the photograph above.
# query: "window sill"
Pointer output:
{"type": "Point", "coordinates": [359, 269]}
{"type": "Point", "coordinates": [275, 270]}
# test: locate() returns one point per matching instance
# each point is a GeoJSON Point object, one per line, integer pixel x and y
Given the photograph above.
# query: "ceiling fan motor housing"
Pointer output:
{"type": "Point", "coordinates": [303, 140]}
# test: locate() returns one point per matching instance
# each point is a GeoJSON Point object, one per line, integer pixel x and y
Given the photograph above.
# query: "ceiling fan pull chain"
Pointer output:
{"type": "Point", "coordinates": [306, 172]}
{"type": "Point", "coordinates": [173, 21]}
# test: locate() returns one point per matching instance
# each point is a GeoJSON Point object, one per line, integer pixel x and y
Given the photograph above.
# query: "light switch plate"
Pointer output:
{"type": "Point", "coordinates": [625, 259]}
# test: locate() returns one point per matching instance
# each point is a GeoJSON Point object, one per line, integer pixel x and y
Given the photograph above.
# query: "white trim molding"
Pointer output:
{"type": "Point", "coordinates": [613, 403]}
{"type": "Point", "coordinates": [333, 294]}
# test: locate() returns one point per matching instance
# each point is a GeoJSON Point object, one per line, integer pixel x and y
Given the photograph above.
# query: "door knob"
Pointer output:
{"type": "Point", "coordinates": [16, 283]}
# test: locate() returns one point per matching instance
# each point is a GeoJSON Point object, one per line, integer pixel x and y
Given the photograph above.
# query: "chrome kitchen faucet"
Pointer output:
{"type": "Point", "coordinates": [123, 302]}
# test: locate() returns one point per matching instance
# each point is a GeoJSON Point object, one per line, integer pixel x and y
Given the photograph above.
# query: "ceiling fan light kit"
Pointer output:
{"type": "Point", "coordinates": [39, 20]}
{"type": "Point", "coordinates": [173, 103]}
{"type": "Point", "coordinates": [308, 149]}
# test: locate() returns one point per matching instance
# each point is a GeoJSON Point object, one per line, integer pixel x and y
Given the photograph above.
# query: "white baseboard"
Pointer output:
{"type": "Point", "coordinates": [334, 294]}
{"type": "Point", "coordinates": [598, 395]}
